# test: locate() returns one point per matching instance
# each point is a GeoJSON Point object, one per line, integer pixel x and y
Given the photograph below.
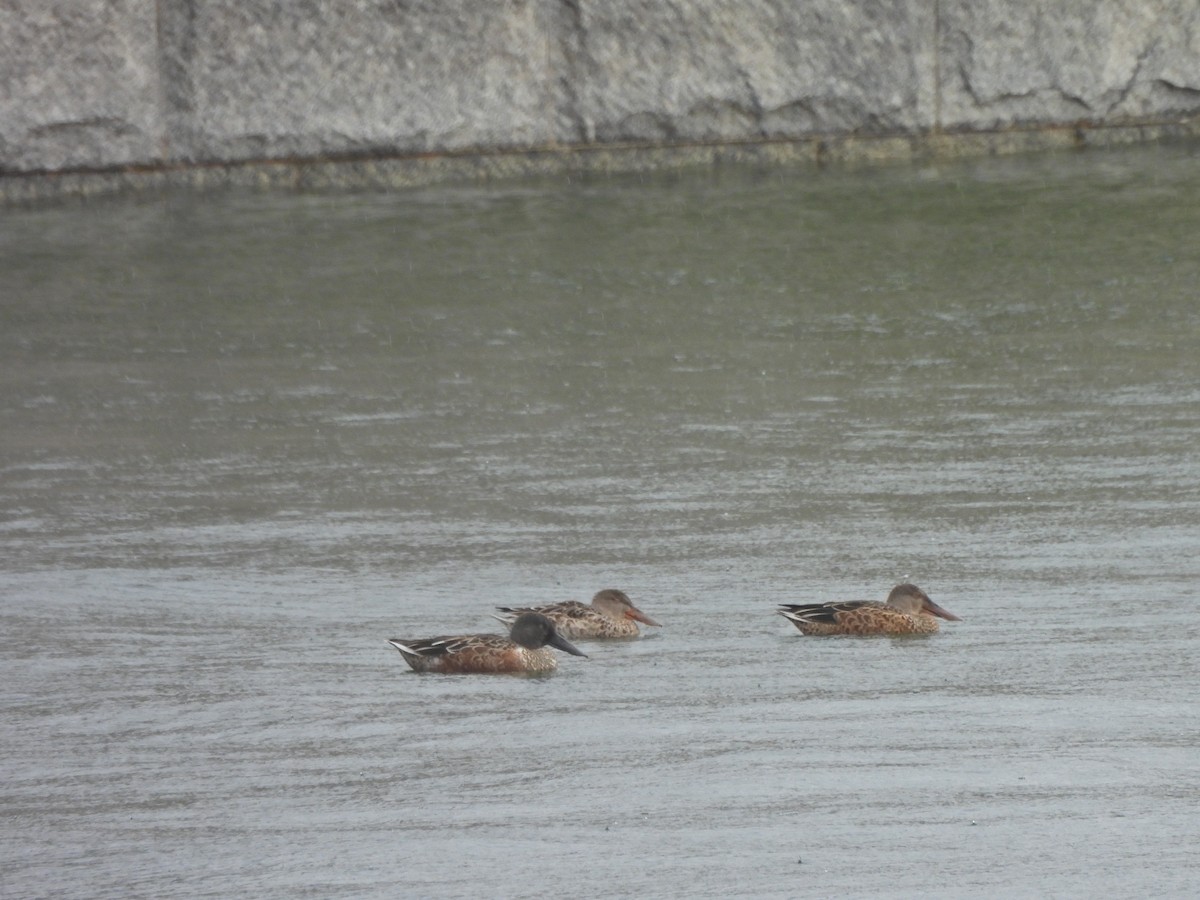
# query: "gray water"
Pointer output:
{"type": "Point", "coordinates": [246, 439]}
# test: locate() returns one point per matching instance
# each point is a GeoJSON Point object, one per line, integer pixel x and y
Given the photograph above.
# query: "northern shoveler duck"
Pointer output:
{"type": "Point", "coordinates": [908, 610]}
{"type": "Point", "coordinates": [526, 649]}
{"type": "Point", "coordinates": [610, 615]}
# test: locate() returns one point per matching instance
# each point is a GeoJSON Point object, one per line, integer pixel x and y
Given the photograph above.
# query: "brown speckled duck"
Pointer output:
{"type": "Point", "coordinates": [610, 615]}
{"type": "Point", "coordinates": [908, 610]}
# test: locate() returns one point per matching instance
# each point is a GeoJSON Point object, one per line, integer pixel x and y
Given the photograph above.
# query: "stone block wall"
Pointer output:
{"type": "Point", "coordinates": [93, 85]}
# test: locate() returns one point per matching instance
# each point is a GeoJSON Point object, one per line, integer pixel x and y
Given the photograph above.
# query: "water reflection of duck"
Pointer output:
{"type": "Point", "coordinates": [524, 650]}
{"type": "Point", "coordinates": [610, 615]}
{"type": "Point", "coordinates": [908, 610]}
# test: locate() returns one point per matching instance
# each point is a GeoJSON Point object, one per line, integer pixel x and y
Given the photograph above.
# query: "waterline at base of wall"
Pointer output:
{"type": "Point", "coordinates": [384, 171]}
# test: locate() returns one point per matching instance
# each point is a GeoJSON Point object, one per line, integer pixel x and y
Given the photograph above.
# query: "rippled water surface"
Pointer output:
{"type": "Point", "coordinates": [246, 439]}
